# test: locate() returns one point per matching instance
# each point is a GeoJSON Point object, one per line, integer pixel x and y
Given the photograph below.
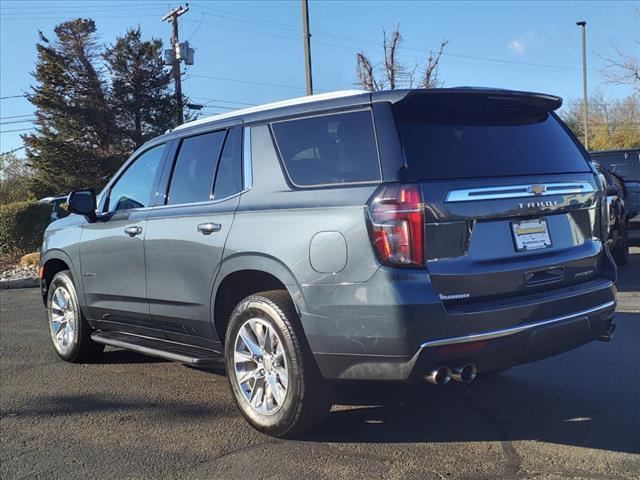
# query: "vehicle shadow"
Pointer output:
{"type": "Point", "coordinates": [572, 399]}
{"type": "Point", "coordinates": [81, 405]}
{"type": "Point", "coordinates": [496, 409]}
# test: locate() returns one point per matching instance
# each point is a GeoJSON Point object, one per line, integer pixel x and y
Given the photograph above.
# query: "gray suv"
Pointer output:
{"type": "Point", "coordinates": [389, 236]}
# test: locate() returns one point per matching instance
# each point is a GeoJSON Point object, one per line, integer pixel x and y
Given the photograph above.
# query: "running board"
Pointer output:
{"type": "Point", "coordinates": [175, 352]}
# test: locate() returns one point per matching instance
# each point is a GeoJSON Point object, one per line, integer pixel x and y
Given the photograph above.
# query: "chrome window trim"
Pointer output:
{"type": "Point", "coordinates": [247, 174]}
{"type": "Point", "coordinates": [247, 163]}
{"type": "Point", "coordinates": [517, 191]}
{"type": "Point", "coordinates": [197, 204]}
{"type": "Point", "coordinates": [504, 332]}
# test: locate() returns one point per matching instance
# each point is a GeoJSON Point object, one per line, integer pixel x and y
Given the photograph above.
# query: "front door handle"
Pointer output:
{"type": "Point", "coordinates": [208, 228]}
{"type": "Point", "coordinates": [133, 231]}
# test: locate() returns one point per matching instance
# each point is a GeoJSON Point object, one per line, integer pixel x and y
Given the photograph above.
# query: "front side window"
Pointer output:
{"type": "Point", "coordinates": [329, 149]}
{"type": "Point", "coordinates": [134, 188]}
{"type": "Point", "coordinates": [195, 167]}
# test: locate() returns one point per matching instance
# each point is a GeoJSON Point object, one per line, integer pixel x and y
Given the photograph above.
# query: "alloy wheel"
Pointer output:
{"type": "Point", "coordinates": [261, 367]}
{"type": "Point", "coordinates": [63, 320]}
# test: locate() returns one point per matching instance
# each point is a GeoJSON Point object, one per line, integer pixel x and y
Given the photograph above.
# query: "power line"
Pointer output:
{"type": "Point", "coordinates": [12, 122]}
{"type": "Point", "coordinates": [17, 116]}
{"type": "Point", "coordinates": [226, 101]}
{"type": "Point", "coordinates": [18, 130]}
{"type": "Point", "coordinates": [75, 7]}
{"type": "Point", "coordinates": [220, 106]}
{"type": "Point", "coordinates": [13, 96]}
{"type": "Point", "coordinates": [248, 19]}
{"type": "Point", "coordinates": [61, 18]}
{"type": "Point", "coordinates": [289, 27]}
{"type": "Point", "coordinates": [251, 82]}
{"type": "Point", "coordinates": [13, 150]}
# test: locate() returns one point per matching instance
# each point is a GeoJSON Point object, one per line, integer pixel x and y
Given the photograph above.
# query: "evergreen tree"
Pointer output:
{"type": "Point", "coordinates": [73, 145]}
{"type": "Point", "coordinates": [141, 101]}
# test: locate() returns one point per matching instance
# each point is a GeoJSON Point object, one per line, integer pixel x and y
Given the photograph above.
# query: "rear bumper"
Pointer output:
{"type": "Point", "coordinates": [399, 329]}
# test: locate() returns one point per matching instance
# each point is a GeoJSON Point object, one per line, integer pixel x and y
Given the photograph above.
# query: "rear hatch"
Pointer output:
{"type": "Point", "coordinates": [511, 204]}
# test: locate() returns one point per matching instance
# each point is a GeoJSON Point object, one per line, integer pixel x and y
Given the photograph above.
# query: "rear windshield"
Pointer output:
{"type": "Point", "coordinates": [450, 137]}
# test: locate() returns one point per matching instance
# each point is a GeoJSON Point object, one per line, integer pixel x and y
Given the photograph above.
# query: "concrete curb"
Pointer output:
{"type": "Point", "coordinates": [29, 282]}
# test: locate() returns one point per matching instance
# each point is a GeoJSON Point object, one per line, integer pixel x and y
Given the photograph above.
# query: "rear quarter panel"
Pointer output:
{"type": "Point", "coordinates": [275, 225]}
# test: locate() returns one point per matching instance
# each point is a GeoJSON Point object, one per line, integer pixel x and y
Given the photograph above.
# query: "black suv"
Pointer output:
{"type": "Point", "coordinates": [413, 234]}
{"type": "Point", "coordinates": [624, 164]}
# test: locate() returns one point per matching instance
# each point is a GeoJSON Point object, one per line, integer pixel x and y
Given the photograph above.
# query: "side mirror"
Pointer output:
{"type": "Point", "coordinates": [83, 202]}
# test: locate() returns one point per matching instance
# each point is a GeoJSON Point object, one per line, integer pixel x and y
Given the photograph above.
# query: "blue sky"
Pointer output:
{"type": "Point", "coordinates": [251, 52]}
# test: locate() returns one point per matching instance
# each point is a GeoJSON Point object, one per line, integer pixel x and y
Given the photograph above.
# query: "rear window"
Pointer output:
{"type": "Point", "coordinates": [192, 178]}
{"type": "Point", "coordinates": [329, 149]}
{"type": "Point", "coordinates": [450, 137]}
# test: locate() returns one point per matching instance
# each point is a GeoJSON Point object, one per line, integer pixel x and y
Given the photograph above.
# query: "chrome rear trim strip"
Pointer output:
{"type": "Point", "coordinates": [518, 191]}
{"type": "Point", "coordinates": [504, 332]}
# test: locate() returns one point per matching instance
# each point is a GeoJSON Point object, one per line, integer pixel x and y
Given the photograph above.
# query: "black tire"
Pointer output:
{"type": "Point", "coordinates": [81, 347]}
{"type": "Point", "coordinates": [620, 252]}
{"type": "Point", "coordinates": [307, 400]}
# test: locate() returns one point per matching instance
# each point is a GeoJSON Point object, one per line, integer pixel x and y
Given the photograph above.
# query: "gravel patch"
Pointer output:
{"type": "Point", "coordinates": [20, 272]}
{"type": "Point", "coordinates": [20, 277]}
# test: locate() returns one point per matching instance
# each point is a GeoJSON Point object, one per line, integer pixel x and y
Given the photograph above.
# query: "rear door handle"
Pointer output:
{"type": "Point", "coordinates": [208, 228]}
{"type": "Point", "coordinates": [133, 231]}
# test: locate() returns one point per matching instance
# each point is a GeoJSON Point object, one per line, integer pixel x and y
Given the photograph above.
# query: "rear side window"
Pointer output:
{"type": "Point", "coordinates": [229, 176]}
{"type": "Point", "coordinates": [329, 149]}
{"type": "Point", "coordinates": [455, 139]}
{"type": "Point", "coordinates": [195, 167]}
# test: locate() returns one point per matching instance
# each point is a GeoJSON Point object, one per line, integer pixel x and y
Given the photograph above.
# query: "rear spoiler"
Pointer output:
{"type": "Point", "coordinates": [539, 100]}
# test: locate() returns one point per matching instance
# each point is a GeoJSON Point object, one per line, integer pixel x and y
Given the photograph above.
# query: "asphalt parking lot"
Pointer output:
{"type": "Point", "coordinates": [576, 415]}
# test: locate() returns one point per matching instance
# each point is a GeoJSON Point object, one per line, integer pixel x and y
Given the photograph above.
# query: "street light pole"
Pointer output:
{"type": "Point", "coordinates": [585, 114]}
{"type": "Point", "coordinates": [307, 45]}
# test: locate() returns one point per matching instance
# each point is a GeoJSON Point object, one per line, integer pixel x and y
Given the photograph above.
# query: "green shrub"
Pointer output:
{"type": "Point", "coordinates": [22, 225]}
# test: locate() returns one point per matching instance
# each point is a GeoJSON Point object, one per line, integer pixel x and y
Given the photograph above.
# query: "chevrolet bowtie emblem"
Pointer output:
{"type": "Point", "coordinates": [537, 189]}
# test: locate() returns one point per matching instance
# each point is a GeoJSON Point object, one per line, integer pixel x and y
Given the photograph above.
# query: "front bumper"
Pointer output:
{"type": "Point", "coordinates": [394, 327]}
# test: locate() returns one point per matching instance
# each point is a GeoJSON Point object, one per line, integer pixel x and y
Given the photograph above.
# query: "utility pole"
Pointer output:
{"type": "Point", "coordinates": [172, 17]}
{"type": "Point", "coordinates": [306, 36]}
{"type": "Point", "coordinates": [585, 114]}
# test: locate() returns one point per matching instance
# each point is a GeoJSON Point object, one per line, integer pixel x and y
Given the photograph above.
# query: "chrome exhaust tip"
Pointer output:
{"type": "Point", "coordinates": [439, 376]}
{"type": "Point", "coordinates": [464, 373]}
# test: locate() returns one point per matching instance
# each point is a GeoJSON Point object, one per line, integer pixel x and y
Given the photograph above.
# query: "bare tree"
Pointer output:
{"type": "Point", "coordinates": [623, 68]}
{"type": "Point", "coordinates": [430, 77]}
{"type": "Point", "coordinates": [392, 73]}
{"type": "Point", "coordinates": [613, 123]}
{"type": "Point", "coordinates": [394, 70]}
{"type": "Point", "coordinates": [365, 76]}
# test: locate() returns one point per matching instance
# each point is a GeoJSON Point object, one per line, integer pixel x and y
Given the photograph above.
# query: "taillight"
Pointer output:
{"type": "Point", "coordinates": [397, 224]}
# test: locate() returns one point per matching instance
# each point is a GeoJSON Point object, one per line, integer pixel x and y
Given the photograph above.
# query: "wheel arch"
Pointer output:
{"type": "Point", "coordinates": [246, 274]}
{"type": "Point", "coordinates": [52, 262]}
